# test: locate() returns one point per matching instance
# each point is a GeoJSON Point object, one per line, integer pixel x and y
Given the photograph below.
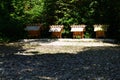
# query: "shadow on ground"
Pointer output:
{"type": "Point", "coordinates": [94, 63]}
{"type": "Point", "coordinates": [10, 49]}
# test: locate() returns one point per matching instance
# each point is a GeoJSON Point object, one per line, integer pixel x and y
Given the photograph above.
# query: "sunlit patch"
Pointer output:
{"type": "Point", "coordinates": [86, 67]}
{"type": "Point", "coordinates": [1, 62]}
{"type": "Point", "coordinates": [46, 78]}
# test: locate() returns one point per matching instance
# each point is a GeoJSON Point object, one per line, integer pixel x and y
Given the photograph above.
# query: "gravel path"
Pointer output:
{"type": "Point", "coordinates": [71, 42]}
{"type": "Point", "coordinates": [28, 61]}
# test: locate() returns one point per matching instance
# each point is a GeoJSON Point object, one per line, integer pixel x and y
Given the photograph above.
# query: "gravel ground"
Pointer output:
{"type": "Point", "coordinates": [26, 61]}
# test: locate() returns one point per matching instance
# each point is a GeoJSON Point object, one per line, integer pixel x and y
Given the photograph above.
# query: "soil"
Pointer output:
{"type": "Point", "coordinates": [50, 61]}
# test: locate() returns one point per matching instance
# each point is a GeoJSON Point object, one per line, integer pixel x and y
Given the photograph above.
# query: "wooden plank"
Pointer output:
{"type": "Point", "coordinates": [34, 30]}
{"type": "Point", "coordinates": [100, 34]}
{"type": "Point", "coordinates": [56, 31]}
{"type": "Point", "coordinates": [78, 30]}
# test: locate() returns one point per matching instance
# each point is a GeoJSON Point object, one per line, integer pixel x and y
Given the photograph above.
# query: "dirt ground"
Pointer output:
{"type": "Point", "coordinates": [40, 61]}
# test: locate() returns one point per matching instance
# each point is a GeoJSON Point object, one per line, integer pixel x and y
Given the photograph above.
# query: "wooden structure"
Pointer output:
{"type": "Point", "coordinates": [56, 31]}
{"type": "Point", "coordinates": [78, 31]}
{"type": "Point", "coordinates": [100, 30]}
{"type": "Point", "coordinates": [34, 30]}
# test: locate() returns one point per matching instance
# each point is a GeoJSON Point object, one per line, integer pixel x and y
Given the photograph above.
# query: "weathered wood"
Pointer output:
{"type": "Point", "coordinates": [56, 31]}
{"type": "Point", "coordinates": [34, 30]}
{"type": "Point", "coordinates": [100, 34]}
{"type": "Point", "coordinates": [78, 30]}
{"type": "Point", "coordinates": [100, 30]}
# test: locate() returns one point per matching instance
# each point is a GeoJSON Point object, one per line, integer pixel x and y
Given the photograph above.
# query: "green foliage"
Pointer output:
{"type": "Point", "coordinates": [71, 12]}
{"type": "Point", "coordinates": [89, 33]}
{"type": "Point", "coordinates": [78, 37]}
{"type": "Point", "coordinates": [65, 12]}
{"type": "Point", "coordinates": [48, 16]}
{"type": "Point", "coordinates": [27, 10]}
{"type": "Point", "coordinates": [66, 33]}
{"type": "Point", "coordinates": [12, 30]}
{"type": "Point", "coordinates": [3, 38]}
{"type": "Point", "coordinates": [15, 13]}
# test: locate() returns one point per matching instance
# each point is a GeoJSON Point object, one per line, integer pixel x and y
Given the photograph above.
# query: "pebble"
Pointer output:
{"type": "Point", "coordinates": [60, 63]}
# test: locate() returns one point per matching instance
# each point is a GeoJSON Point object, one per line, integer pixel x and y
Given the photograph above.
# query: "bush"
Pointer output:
{"type": "Point", "coordinates": [3, 39]}
{"type": "Point", "coordinates": [89, 33]}
{"type": "Point", "coordinates": [11, 31]}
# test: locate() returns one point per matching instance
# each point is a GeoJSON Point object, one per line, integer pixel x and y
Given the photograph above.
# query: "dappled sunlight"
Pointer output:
{"type": "Point", "coordinates": [53, 46]}
{"type": "Point", "coordinates": [55, 49]}
{"type": "Point", "coordinates": [46, 78]}
{"type": "Point", "coordinates": [86, 63]}
{"type": "Point", "coordinates": [48, 62]}
{"type": "Point", "coordinates": [10, 48]}
{"type": "Point", "coordinates": [69, 42]}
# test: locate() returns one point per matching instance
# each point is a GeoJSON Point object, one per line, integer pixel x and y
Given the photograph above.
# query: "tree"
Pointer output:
{"type": "Point", "coordinates": [27, 10]}
{"type": "Point", "coordinates": [15, 13]}
{"type": "Point", "coordinates": [69, 12]}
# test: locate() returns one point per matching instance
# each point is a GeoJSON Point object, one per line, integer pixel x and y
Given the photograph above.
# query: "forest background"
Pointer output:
{"type": "Point", "coordinates": [15, 14]}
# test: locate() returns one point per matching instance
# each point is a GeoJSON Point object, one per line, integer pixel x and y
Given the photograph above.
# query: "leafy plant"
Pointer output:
{"type": "Point", "coordinates": [87, 35]}
{"type": "Point", "coordinates": [78, 37]}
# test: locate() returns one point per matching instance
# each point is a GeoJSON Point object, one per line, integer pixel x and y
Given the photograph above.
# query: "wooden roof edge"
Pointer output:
{"type": "Point", "coordinates": [103, 25]}
{"type": "Point", "coordinates": [56, 26]}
